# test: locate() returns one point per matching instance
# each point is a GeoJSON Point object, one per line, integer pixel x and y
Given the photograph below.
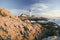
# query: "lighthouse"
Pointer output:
{"type": "Point", "coordinates": [30, 12]}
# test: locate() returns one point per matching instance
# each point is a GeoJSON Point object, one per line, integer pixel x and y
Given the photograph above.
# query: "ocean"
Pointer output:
{"type": "Point", "coordinates": [56, 20]}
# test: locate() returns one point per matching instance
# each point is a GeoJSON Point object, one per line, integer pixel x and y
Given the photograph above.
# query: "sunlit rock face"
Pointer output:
{"type": "Point", "coordinates": [13, 28]}
{"type": "Point", "coordinates": [4, 12]}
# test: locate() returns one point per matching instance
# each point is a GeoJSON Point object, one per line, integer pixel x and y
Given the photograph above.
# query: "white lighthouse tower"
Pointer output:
{"type": "Point", "coordinates": [30, 12]}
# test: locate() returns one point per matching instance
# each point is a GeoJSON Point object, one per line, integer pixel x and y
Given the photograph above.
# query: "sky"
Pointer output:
{"type": "Point", "coordinates": [46, 8]}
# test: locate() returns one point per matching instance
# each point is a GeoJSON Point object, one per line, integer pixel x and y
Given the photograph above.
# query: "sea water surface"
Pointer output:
{"type": "Point", "coordinates": [56, 20]}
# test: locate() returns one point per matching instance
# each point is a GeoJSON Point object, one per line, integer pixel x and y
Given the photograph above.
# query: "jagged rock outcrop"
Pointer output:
{"type": "Point", "coordinates": [13, 28]}
{"type": "Point", "coordinates": [3, 12]}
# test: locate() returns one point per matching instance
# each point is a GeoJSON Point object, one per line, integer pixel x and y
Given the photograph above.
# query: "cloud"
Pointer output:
{"type": "Point", "coordinates": [49, 14]}
{"type": "Point", "coordinates": [38, 9]}
{"type": "Point", "coordinates": [41, 9]}
{"type": "Point", "coordinates": [17, 11]}
{"type": "Point", "coordinates": [39, 6]}
{"type": "Point", "coordinates": [52, 14]}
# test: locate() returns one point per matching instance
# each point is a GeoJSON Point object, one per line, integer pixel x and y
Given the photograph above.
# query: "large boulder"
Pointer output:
{"type": "Point", "coordinates": [13, 28]}
{"type": "Point", "coordinates": [4, 12]}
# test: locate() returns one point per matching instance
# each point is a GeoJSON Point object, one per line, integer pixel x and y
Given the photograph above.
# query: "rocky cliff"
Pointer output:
{"type": "Point", "coordinates": [13, 28]}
